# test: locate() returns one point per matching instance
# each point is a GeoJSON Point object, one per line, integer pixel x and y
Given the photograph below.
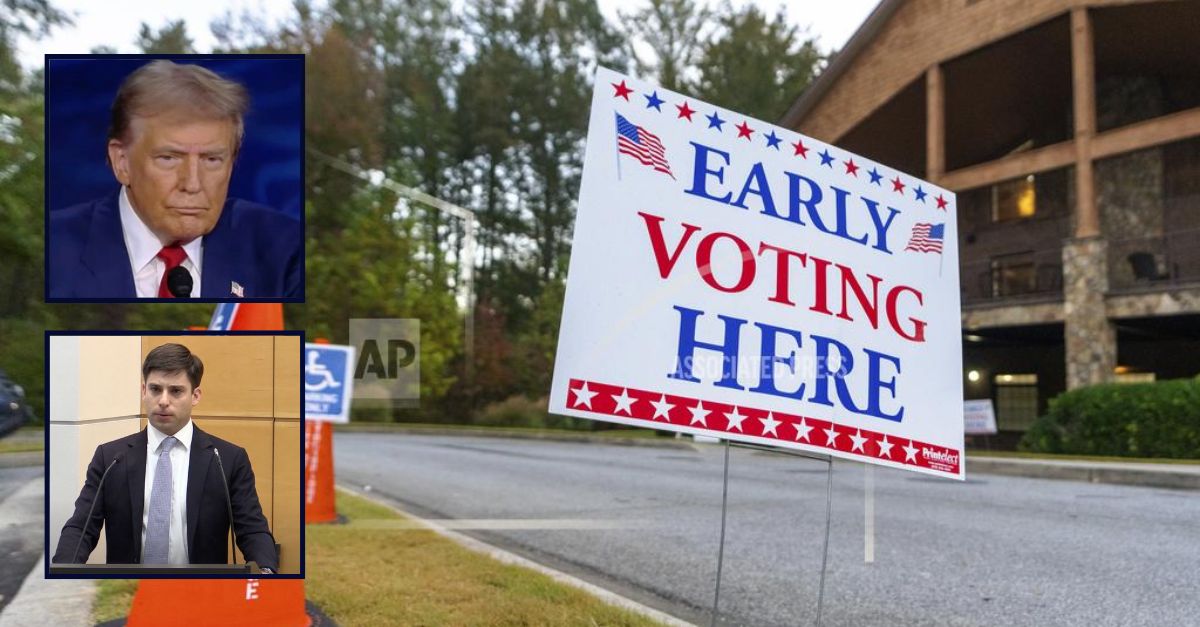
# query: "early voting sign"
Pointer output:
{"type": "Point", "coordinates": [735, 279]}
{"type": "Point", "coordinates": [328, 382]}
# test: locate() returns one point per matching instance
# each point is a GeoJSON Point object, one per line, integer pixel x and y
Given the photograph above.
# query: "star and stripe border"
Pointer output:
{"type": "Point", "coordinates": [906, 186]}
{"type": "Point", "coordinates": [660, 410]}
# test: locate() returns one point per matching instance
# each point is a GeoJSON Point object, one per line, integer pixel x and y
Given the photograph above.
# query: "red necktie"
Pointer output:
{"type": "Point", "coordinates": [172, 255]}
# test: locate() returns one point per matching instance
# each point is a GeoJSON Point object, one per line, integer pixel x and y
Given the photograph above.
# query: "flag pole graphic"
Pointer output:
{"type": "Point", "coordinates": [617, 139]}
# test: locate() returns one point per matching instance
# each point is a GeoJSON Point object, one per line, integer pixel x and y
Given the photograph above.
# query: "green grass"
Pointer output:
{"type": "Point", "coordinates": [113, 599]}
{"type": "Point", "coordinates": [1078, 458]}
{"type": "Point", "coordinates": [372, 574]}
{"type": "Point", "coordinates": [376, 570]}
{"type": "Point", "coordinates": [20, 447]}
{"type": "Point", "coordinates": [24, 440]}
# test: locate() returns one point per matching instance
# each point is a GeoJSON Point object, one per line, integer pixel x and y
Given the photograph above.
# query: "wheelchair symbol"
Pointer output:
{"type": "Point", "coordinates": [324, 378]}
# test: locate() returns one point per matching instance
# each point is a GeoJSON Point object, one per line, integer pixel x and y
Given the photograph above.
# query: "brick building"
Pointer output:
{"type": "Point", "coordinates": [1070, 130]}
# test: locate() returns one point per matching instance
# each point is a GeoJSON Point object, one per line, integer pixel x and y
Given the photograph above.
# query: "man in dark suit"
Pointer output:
{"type": "Point", "coordinates": [163, 501]}
{"type": "Point", "coordinates": [170, 230]}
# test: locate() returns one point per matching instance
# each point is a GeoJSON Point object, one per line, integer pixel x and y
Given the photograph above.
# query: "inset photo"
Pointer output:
{"type": "Point", "coordinates": [174, 177]}
{"type": "Point", "coordinates": [174, 455]}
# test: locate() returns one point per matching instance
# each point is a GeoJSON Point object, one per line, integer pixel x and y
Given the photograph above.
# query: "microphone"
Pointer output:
{"type": "Point", "coordinates": [79, 543]}
{"type": "Point", "coordinates": [179, 282]}
{"type": "Point", "coordinates": [228, 504]}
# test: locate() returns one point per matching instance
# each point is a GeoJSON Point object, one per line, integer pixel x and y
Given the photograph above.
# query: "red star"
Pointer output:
{"type": "Point", "coordinates": [941, 202]}
{"type": "Point", "coordinates": [851, 169]}
{"type": "Point", "coordinates": [622, 91]}
{"type": "Point", "coordinates": [684, 111]}
{"type": "Point", "coordinates": [801, 149]}
{"type": "Point", "coordinates": [897, 186]}
{"type": "Point", "coordinates": [744, 130]}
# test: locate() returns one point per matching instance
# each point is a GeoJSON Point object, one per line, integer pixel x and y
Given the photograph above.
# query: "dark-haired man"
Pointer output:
{"type": "Point", "coordinates": [164, 501]}
{"type": "Point", "coordinates": [170, 230]}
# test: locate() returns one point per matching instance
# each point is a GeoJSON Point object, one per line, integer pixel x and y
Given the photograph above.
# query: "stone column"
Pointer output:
{"type": "Point", "coordinates": [1091, 339]}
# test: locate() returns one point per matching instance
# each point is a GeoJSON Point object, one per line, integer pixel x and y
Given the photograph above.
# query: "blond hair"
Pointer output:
{"type": "Point", "coordinates": [163, 85]}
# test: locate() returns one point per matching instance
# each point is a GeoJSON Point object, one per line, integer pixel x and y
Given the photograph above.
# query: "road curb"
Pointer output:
{"type": "Point", "coordinates": [507, 557]}
{"type": "Point", "coordinates": [1185, 477]}
{"type": "Point", "coordinates": [514, 434]}
{"type": "Point", "coordinates": [1146, 475]}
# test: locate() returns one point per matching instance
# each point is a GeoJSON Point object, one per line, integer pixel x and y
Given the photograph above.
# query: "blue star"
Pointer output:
{"type": "Point", "coordinates": [654, 101]}
{"type": "Point", "coordinates": [920, 194]}
{"type": "Point", "coordinates": [772, 140]}
{"type": "Point", "coordinates": [826, 158]}
{"type": "Point", "coordinates": [715, 121]}
{"type": "Point", "coordinates": [875, 176]}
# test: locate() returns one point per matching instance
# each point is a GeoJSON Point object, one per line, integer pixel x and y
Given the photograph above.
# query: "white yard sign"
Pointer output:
{"type": "Point", "coordinates": [979, 417]}
{"type": "Point", "coordinates": [735, 279]}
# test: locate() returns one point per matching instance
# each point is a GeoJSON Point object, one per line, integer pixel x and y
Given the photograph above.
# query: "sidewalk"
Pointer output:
{"type": "Point", "coordinates": [42, 601]}
{"type": "Point", "coordinates": [1174, 476]}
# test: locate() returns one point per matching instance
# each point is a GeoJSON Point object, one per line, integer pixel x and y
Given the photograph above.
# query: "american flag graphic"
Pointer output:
{"type": "Point", "coordinates": [927, 238]}
{"type": "Point", "coordinates": [642, 145]}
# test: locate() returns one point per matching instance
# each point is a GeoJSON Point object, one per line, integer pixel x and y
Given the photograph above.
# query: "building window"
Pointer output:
{"type": "Point", "coordinates": [1014, 200]}
{"type": "Point", "coordinates": [1013, 275]}
{"type": "Point", "coordinates": [1134, 377]}
{"type": "Point", "coordinates": [1016, 401]}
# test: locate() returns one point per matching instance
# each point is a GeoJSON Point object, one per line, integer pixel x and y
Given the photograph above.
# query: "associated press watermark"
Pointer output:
{"type": "Point", "coordinates": [388, 369]}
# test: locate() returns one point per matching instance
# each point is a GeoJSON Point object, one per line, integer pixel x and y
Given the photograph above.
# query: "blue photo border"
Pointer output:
{"type": "Point", "coordinates": [46, 456]}
{"type": "Point", "coordinates": [175, 57]}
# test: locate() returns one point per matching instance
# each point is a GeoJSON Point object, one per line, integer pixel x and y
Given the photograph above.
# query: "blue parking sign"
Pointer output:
{"type": "Point", "coordinates": [328, 384]}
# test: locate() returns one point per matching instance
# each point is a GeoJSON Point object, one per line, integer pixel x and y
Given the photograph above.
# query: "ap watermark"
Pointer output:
{"type": "Point", "coordinates": [387, 370]}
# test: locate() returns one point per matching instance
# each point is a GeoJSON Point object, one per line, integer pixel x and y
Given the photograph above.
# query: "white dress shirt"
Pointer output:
{"type": "Point", "coordinates": [143, 246]}
{"type": "Point", "coordinates": [180, 455]}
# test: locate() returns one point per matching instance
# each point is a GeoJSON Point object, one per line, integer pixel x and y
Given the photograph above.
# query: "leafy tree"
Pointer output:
{"type": "Point", "coordinates": [673, 30]}
{"type": "Point", "coordinates": [23, 317]}
{"type": "Point", "coordinates": [756, 65]}
{"type": "Point", "coordinates": [23, 18]}
{"type": "Point", "coordinates": [171, 38]}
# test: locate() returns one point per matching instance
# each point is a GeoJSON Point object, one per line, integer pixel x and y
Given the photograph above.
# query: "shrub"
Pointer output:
{"type": "Point", "coordinates": [1159, 419]}
{"type": "Point", "coordinates": [521, 411]}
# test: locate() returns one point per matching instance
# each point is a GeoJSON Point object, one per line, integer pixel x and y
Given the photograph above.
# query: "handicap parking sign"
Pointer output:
{"type": "Point", "coordinates": [327, 382]}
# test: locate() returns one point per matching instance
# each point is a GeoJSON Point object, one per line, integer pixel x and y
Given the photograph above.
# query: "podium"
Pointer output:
{"type": "Point", "coordinates": [150, 570]}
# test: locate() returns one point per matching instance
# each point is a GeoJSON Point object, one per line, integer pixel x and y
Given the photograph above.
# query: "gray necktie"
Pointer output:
{"type": "Point", "coordinates": [158, 523]}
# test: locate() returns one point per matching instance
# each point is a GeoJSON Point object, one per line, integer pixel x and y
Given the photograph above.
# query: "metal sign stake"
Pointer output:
{"type": "Point", "coordinates": [825, 551]}
{"type": "Point", "coordinates": [721, 546]}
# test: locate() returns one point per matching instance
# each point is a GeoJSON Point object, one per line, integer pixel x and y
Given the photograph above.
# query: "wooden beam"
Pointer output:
{"type": "Point", "coordinates": [1083, 88]}
{"type": "Point", "coordinates": [1162, 130]}
{"type": "Point", "coordinates": [1033, 161]}
{"type": "Point", "coordinates": [935, 124]}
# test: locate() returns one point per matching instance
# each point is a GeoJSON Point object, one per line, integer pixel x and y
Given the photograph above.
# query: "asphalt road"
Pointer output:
{"type": "Point", "coordinates": [645, 522]}
{"type": "Point", "coordinates": [22, 516]}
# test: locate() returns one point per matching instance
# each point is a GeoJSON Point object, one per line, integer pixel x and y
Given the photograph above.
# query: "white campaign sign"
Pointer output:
{"type": "Point", "coordinates": [736, 279]}
{"type": "Point", "coordinates": [979, 417]}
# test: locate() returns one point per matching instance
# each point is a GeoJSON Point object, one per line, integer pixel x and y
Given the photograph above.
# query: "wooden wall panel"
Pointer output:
{"type": "Point", "coordinates": [289, 512]}
{"type": "Point", "coordinates": [110, 379]}
{"type": "Point", "coordinates": [287, 377]}
{"type": "Point", "coordinates": [257, 437]}
{"type": "Point", "coordinates": [238, 377]}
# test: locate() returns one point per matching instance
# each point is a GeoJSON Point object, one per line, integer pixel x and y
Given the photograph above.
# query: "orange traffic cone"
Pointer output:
{"type": "Point", "coordinates": [319, 506]}
{"type": "Point", "coordinates": [318, 472]}
{"type": "Point", "coordinates": [258, 317]}
{"type": "Point", "coordinates": [219, 602]}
